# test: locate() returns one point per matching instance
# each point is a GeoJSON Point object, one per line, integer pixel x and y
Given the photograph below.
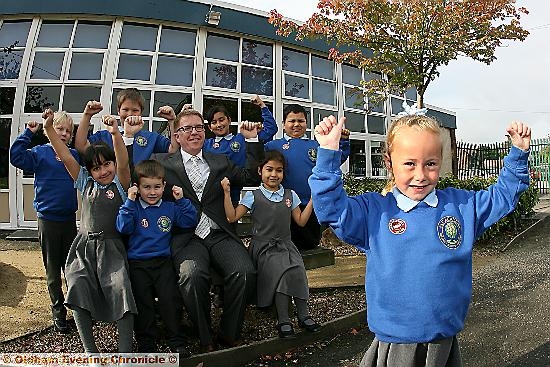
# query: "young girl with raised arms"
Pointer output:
{"type": "Point", "coordinates": [418, 239]}
{"type": "Point", "coordinates": [98, 284]}
{"type": "Point", "coordinates": [281, 271]}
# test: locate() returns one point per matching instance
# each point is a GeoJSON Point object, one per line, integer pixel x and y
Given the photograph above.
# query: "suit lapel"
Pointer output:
{"type": "Point", "coordinates": [211, 160]}
{"type": "Point", "coordinates": [176, 162]}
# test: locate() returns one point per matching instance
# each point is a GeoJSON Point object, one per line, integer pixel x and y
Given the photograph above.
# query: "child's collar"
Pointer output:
{"type": "Point", "coordinates": [288, 137]}
{"type": "Point", "coordinates": [407, 204]}
{"type": "Point", "coordinates": [229, 136]}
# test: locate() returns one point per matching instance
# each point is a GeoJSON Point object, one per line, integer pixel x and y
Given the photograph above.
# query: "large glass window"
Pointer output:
{"type": "Point", "coordinates": [244, 66]}
{"type": "Point", "coordinates": [13, 38]}
{"type": "Point", "coordinates": [134, 67]}
{"type": "Point", "coordinates": [7, 98]}
{"type": "Point", "coordinates": [357, 108]}
{"type": "Point", "coordinates": [298, 76]}
{"type": "Point", "coordinates": [138, 37]}
{"type": "Point", "coordinates": [67, 65]}
{"type": "Point", "coordinates": [357, 158]}
{"type": "Point", "coordinates": [378, 168]}
{"type": "Point", "coordinates": [92, 35]}
{"type": "Point", "coordinates": [86, 66]}
{"type": "Point", "coordinates": [55, 34]}
{"type": "Point", "coordinates": [38, 98]}
{"type": "Point", "coordinates": [5, 130]}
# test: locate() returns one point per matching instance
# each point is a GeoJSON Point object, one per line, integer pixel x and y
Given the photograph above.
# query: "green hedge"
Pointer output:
{"type": "Point", "coordinates": [524, 209]}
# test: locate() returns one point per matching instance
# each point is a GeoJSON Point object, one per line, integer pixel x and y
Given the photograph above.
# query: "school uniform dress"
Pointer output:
{"type": "Point", "coordinates": [55, 203]}
{"type": "Point", "coordinates": [419, 275]}
{"type": "Point", "coordinates": [234, 146]}
{"type": "Point", "coordinates": [300, 155]}
{"type": "Point", "coordinates": [150, 264]}
{"type": "Point", "coordinates": [97, 268]}
{"type": "Point", "coordinates": [279, 265]}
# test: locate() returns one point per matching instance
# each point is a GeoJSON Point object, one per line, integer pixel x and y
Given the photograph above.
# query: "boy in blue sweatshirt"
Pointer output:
{"type": "Point", "coordinates": [418, 240]}
{"type": "Point", "coordinates": [234, 146]}
{"type": "Point", "coordinates": [55, 204]}
{"type": "Point", "coordinates": [140, 143]}
{"type": "Point", "coordinates": [301, 154]}
{"type": "Point", "coordinates": [148, 220]}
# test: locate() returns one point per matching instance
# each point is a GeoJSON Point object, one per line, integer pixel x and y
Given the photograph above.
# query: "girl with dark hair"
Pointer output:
{"type": "Point", "coordinates": [281, 271]}
{"type": "Point", "coordinates": [98, 284]}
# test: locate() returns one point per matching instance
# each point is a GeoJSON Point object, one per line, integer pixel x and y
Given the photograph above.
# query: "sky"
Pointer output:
{"type": "Point", "coordinates": [486, 98]}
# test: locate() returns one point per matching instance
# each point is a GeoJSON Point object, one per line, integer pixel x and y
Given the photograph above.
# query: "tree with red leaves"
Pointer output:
{"type": "Point", "coordinates": [408, 40]}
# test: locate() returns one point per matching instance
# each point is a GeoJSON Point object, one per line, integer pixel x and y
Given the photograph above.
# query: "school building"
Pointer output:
{"type": "Point", "coordinates": [62, 53]}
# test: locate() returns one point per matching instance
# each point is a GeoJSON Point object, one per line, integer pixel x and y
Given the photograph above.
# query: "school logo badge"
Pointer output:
{"type": "Point", "coordinates": [235, 146]}
{"type": "Point", "coordinates": [164, 223]}
{"type": "Point", "coordinates": [312, 154]}
{"type": "Point", "coordinates": [110, 194]}
{"type": "Point", "coordinates": [141, 141]}
{"type": "Point", "coordinates": [144, 223]}
{"type": "Point", "coordinates": [449, 232]}
{"type": "Point", "coordinates": [397, 226]}
{"type": "Point", "coordinates": [288, 203]}
{"type": "Point", "coordinates": [216, 145]}
{"type": "Point", "coordinates": [286, 146]}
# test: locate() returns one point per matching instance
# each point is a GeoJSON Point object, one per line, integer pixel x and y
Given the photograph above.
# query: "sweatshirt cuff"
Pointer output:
{"type": "Point", "coordinates": [328, 159]}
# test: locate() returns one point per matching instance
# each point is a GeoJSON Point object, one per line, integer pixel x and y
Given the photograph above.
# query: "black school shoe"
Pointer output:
{"type": "Point", "coordinates": [60, 325]}
{"type": "Point", "coordinates": [312, 326]}
{"type": "Point", "coordinates": [283, 334]}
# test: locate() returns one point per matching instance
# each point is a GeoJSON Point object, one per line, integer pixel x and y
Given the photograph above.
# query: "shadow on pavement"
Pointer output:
{"type": "Point", "coordinates": [13, 285]}
{"type": "Point", "coordinates": [536, 358]}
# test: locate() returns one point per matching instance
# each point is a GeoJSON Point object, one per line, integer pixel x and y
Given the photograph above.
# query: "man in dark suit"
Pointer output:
{"type": "Point", "coordinates": [214, 243]}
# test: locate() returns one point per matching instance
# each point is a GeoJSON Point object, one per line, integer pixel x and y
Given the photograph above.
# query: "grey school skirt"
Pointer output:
{"type": "Point", "coordinates": [441, 353]}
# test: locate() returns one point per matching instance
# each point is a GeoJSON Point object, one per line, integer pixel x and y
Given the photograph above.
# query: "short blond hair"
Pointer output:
{"type": "Point", "coordinates": [419, 122]}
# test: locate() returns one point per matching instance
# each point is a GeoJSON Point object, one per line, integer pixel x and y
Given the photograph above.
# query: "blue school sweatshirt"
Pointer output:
{"type": "Point", "coordinates": [419, 263]}
{"type": "Point", "coordinates": [301, 155]}
{"type": "Point", "coordinates": [54, 192]}
{"type": "Point", "coordinates": [145, 143]}
{"type": "Point", "coordinates": [234, 146]}
{"type": "Point", "coordinates": [149, 226]}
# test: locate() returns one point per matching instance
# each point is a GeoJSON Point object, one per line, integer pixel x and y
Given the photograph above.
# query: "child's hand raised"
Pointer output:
{"type": "Point", "coordinates": [92, 107]}
{"type": "Point", "coordinates": [329, 131]}
{"type": "Point", "coordinates": [111, 123]}
{"type": "Point", "coordinates": [249, 129]}
{"type": "Point", "coordinates": [226, 185]}
{"type": "Point", "coordinates": [33, 126]}
{"type": "Point", "coordinates": [132, 124]}
{"type": "Point", "coordinates": [257, 101]}
{"type": "Point", "coordinates": [166, 112]}
{"type": "Point", "coordinates": [47, 116]}
{"type": "Point", "coordinates": [177, 192]}
{"type": "Point", "coordinates": [132, 192]}
{"type": "Point", "coordinates": [520, 134]}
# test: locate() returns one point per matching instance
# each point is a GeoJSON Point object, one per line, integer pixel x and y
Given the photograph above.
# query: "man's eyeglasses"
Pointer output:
{"type": "Point", "coordinates": [188, 129]}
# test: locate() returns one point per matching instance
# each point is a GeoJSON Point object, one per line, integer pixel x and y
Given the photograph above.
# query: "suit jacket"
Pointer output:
{"type": "Point", "coordinates": [212, 197]}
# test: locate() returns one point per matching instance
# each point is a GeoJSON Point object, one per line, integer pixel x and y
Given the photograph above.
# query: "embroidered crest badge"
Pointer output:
{"type": "Point", "coordinates": [164, 223]}
{"type": "Point", "coordinates": [141, 141]}
{"type": "Point", "coordinates": [144, 223]}
{"type": "Point", "coordinates": [312, 154]}
{"type": "Point", "coordinates": [286, 146]}
{"type": "Point", "coordinates": [288, 203]}
{"type": "Point", "coordinates": [235, 146]}
{"type": "Point", "coordinates": [110, 194]}
{"type": "Point", "coordinates": [216, 145]}
{"type": "Point", "coordinates": [449, 232]}
{"type": "Point", "coordinates": [397, 226]}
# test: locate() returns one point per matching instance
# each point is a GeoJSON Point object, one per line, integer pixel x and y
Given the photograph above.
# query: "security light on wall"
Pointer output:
{"type": "Point", "coordinates": [213, 17]}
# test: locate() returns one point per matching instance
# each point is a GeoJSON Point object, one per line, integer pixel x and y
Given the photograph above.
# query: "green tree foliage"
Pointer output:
{"type": "Point", "coordinates": [408, 40]}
